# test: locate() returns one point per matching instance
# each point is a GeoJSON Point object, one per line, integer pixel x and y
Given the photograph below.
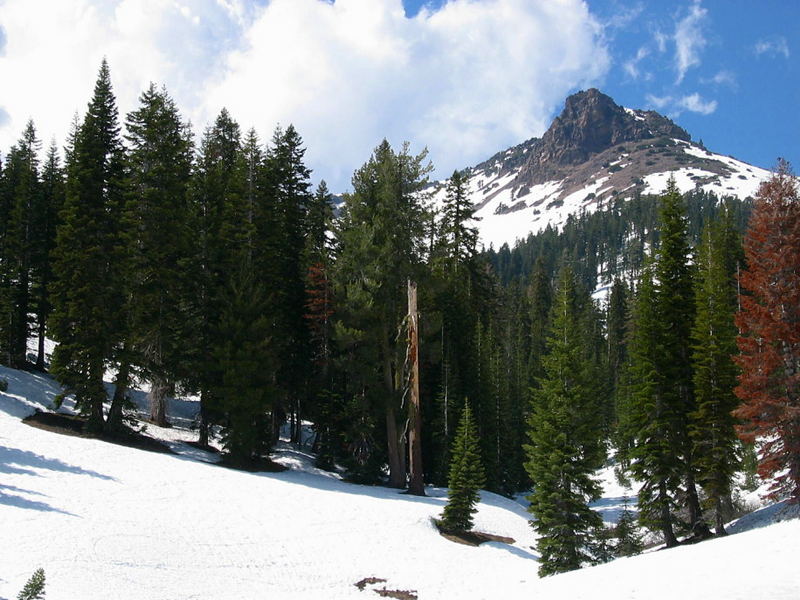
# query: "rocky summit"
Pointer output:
{"type": "Point", "coordinates": [593, 152]}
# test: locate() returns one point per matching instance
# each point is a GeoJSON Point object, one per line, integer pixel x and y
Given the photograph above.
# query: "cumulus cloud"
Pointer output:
{"type": "Point", "coordinates": [689, 40]}
{"type": "Point", "coordinates": [675, 105]}
{"type": "Point", "coordinates": [776, 46]}
{"type": "Point", "coordinates": [54, 49]}
{"type": "Point", "coordinates": [464, 80]}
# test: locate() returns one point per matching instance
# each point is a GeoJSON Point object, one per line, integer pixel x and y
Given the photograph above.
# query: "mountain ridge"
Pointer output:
{"type": "Point", "coordinates": [595, 151]}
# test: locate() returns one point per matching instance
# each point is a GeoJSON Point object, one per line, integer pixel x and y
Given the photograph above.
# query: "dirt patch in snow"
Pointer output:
{"type": "Point", "coordinates": [383, 592]}
{"type": "Point", "coordinates": [474, 538]}
{"type": "Point", "coordinates": [75, 425]}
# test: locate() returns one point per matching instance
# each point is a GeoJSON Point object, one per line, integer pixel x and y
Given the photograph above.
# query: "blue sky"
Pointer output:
{"type": "Point", "coordinates": [465, 78]}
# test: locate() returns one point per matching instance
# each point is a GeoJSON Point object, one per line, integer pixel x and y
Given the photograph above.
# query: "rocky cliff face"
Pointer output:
{"type": "Point", "coordinates": [590, 123]}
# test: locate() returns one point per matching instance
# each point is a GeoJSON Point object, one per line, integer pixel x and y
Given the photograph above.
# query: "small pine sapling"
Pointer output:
{"type": "Point", "coordinates": [34, 588]}
{"type": "Point", "coordinates": [466, 477]}
{"type": "Point", "coordinates": [629, 542]}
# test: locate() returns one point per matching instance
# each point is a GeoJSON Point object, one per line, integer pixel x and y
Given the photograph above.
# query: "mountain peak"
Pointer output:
{"type": "Point", "coordinates": [590, 123]}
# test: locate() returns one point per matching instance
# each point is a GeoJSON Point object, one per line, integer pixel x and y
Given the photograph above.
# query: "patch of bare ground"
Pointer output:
{"type": "Point", "coordinates": [76, 426]}
{"type": "Point", "coordinates": [384, 592]}
{"type": "Point", "coordinates": [470, 538]}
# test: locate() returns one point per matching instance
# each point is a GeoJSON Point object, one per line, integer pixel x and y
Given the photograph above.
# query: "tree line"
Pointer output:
{"type": "Point", "coordinates": [213, 268]}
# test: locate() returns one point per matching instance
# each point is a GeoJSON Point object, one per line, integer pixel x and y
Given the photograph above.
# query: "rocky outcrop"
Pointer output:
{"type": "Point", "coordinates": [590, 123]}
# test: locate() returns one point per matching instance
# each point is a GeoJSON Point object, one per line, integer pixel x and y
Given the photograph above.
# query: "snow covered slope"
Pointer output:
{"type": "Point", "coordinates": [595, 153]}
{"type": "Point", "coordinates": [106, 521]}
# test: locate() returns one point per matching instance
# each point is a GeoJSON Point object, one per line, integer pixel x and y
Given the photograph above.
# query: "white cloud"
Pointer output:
{"type": "Point", "coordinates": [689, 40]}
{"type": "Point", "coordinates": [631, 67]}
{"type": "Point", "coordinates": [674, 106]}
{"type": "Point", "coordinates": [723, 77]}
{"type": "Point", "coordinates": [694, 103]}
{"type": "Point", "coordinates": [776, 46]}
{"type": "Point", "coordinates": [658, 102]}
{"type": "Point", "coordinates": [54, 49]}
{"type": "Point", "coordinates": [464, 80]}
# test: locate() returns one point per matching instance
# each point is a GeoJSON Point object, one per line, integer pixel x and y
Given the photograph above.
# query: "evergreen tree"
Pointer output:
{"type": "Point", "coordinates": [565, 439]}
{"type": "Point", "coordinates": [245, 363]}
{"type": "Point", "coordinates": [676, 307]}
{"type": "Point", "coordinates": [380, 240]}
{"type": "Point", "coordinates": [714, 344]}
{"type": "Point", "coordinates": [159, 166]}
{"type": "Point", "coordinates": [34, 588]}
{"type": "Point", "coordinates": [466, 476]}
{"type": "Point", "coordinates": [218, 221]}
{"type": "Point", "coordinates": [628, 539]}
{"type": "Point", "coordinates": [89, 297]}
{"type": "Point", "coordinates": [769, 341]}
{"type": "Point", "coordinates": [23, 187]}
{"type": "Point", "coordinates": [46, 219]}
{"type": "Point", "coordinates": [291, 189]}
{"type": "Point", "coordinates": [644, 419]}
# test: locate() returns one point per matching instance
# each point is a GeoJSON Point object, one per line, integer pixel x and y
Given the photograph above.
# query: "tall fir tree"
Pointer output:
{"type": "Point", "coordinates": [46, 220]}
{"type": "Point", "coordinates": [644, 429]}
{"type": "Point", "coordinates": [380, 239]}
{"type": "Point", "coordinates": [218, 220]}
{"type": "Point", "coordinates": [89, 297]}
{"type": "Point", "coordinates": [714, 346]}
{"type": "Point", "coordinates": [291, 185]}
{"type": "Point", "coordinates": [675, 305]}
{"type": "Point", "coordinates": [565, 436]}
{"type": "Point", "coordinates": [245, 356]}
{"type": "Point", "coordinates": [466, 476]}
{"type": "Point", "coordinates": [769, 341]}
{"type": "Point", "coordinates": [159, 166]}
{"type": "Point", "coordinates": [23, 186]}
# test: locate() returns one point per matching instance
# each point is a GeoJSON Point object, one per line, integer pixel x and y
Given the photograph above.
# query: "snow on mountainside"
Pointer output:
{"type": "Point", "coordinates": [109, 521]}
{"type": "Point", "coordinates": [594, 153]}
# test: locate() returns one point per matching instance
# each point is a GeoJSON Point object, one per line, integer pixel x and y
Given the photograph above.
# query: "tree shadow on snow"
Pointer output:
{"type": "Point", "coordinates": [12, 496]}
{"type": "Point", "coordinates": [22, 462]}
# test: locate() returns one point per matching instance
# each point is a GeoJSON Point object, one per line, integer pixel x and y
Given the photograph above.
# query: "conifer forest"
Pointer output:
{"type": "Point", "coordinates": [212, 268]}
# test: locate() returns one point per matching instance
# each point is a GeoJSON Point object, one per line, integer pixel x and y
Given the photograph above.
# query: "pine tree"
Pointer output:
{"type": "Point", "coordinates": [34, 588]}
{"type": "Point", "coordinates": [217, 215]}
{"type": "Point", "coordinates": [23, 186]}
{"type": "Point", "coordinates": [159, 166]}
{"type": "Point", "coordinates": [290, 187]}
{"type": "Point", "coordinates": [675, 306]}
{"type": "Point", "coordinates": [245, 364]}
{"type": "Point", "coordinates": [714, 344]}
{"type": "Point", "coordinates": [466, 476]}
{"type": "Point", "coordinates": [46, 220]}
{"type": "Point", "coordinates": [644, 419]}
{"type": "Point", "coordinates": [629, 541]}
{"type": "Point", "coordinates": [565, 439]}
{"type": "Point", "coordinates": [769, 341]}
{"type": "Point", "coordinates": [380, 239]}
{"type": "Point", "coordinates": [89, 297]}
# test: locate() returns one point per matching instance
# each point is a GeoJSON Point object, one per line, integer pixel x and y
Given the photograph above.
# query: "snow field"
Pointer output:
{"type": "Point", "coordinates": [109, 521]}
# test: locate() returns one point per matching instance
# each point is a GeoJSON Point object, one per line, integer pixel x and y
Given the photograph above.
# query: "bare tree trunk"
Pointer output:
{"type": "Point", "coordinates": [202, 438]}
{"type": "Point", "coordinates": [416, 484]}
{"type": "Point", "coordinates": [40, 353]}
{"type": "Point", "coordinates": [121, 383]}
{"type": "Point", "coordinates": [158, 401]}
{"type": "Point", "coordinates": [666, 519]}
{"type": "Point", "coordinates": [699, 527]}
{"type": "Point", "coordinates": [396, 453]}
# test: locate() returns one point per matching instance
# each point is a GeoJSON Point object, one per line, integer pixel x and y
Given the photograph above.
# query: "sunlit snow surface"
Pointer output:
{"type": "Point", "coordinates": [106, 521]}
